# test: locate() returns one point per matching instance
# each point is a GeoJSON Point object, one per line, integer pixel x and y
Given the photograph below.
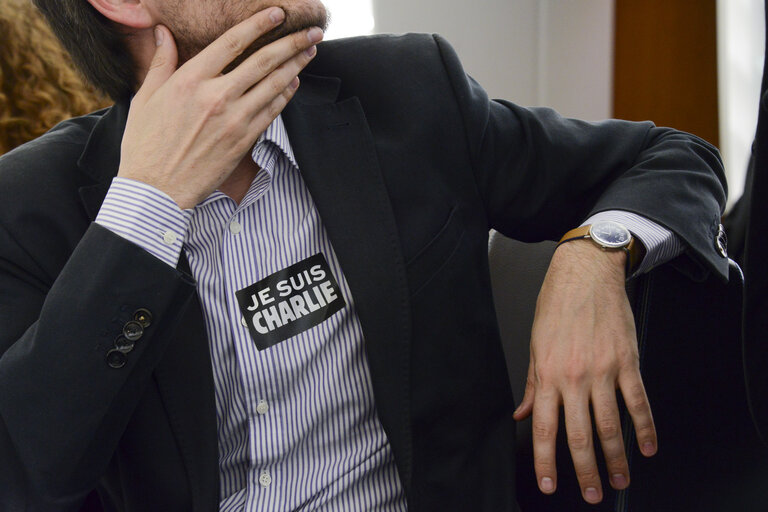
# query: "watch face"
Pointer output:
{"type": "Point", "coordinates": [610, 234]}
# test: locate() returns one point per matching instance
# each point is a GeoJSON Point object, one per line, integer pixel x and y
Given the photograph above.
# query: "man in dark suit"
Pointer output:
{"type": "Point", "coordinates": [108, 378]}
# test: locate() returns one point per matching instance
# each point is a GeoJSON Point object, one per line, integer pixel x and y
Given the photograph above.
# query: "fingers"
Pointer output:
{"type": "Point", "coordinates": [544, 428]}
{"type": "Point", "coordinates": [289, 54]}
{"type": "Point", "coordinates": [578, 427]}
{"type": "Point", "coordinates": [636, 400]}
{"type": "Point", "coordinates": [266, 115]}
{"type": "Point", "coordinates": [526, 406]}
{"type": "Point", "coordinates": [212, 60]}
{"type": "Point", "coordinates": [608, 425]}
{"type": "Point", "coordinates": [163, 63]}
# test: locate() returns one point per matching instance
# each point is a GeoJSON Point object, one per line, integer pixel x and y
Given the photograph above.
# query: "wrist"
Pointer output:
{"type": "Point", "coordinates": [583, 257]}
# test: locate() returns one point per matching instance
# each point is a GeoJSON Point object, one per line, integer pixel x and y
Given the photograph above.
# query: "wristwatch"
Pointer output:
{"type": "Point", "coordinates": [609, 236]}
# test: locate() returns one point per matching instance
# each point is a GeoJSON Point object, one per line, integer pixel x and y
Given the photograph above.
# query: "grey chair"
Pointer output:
{"type": "Point", "coordinates": [710, 456]}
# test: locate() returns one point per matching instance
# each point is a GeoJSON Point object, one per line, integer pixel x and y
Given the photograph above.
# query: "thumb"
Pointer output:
{"type": "Point", "coordinates": [526, 406]}
{"type": "Point", "coordinates": [164, 62]}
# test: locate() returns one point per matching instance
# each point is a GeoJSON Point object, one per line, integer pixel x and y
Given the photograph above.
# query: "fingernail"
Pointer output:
{"type": "Point", "coordinates": [547, 485]}
{"type": "Point", "coordinates": [591, 494]}
{"type": "Point", "coordinates": [315, 35]}
{"type": "Point", "coordinates": [159, 36]}
{"type": "Point", "coordinates": [619, 480]}
{"type": "Point", "coordinates": [277, 15]}
{"type": "Point", "coordinates": [311, 51]}
{"type": "Point", "coordinates": [295, 83]}
{"type": "Point", "coordinates": [649, 449]}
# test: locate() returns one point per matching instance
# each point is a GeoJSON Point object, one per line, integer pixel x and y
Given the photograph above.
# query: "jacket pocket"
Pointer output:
{"type": "Point", "coordinates": [428, 261]}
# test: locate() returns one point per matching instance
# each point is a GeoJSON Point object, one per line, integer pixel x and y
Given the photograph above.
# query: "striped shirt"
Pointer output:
{"type": "Point", "coordinates": [297, 425]}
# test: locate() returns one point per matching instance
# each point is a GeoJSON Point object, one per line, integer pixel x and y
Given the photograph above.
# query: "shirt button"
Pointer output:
{"type": "Point", "coordinates": [169, 238]}
{"type": "Point", "coordinates": [265, 479]}
{"type": "Point", "coordinates": [235, 227]}
{"type": "Point", "coordinates": [263, 407]}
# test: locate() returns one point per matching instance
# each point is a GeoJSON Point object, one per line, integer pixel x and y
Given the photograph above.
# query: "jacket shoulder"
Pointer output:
{"type": "Point", "coordinates": [49, 159]}
{"type": "Point", "coordinates": [382, 54]}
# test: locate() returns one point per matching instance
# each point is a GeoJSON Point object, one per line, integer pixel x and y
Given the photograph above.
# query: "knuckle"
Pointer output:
{"type": "Point", "coordinates": [646, 432]}
{"type": "Point", "coordinates": [232, 43]}
{"type": "Point", "coordinates": [579, 440]}
{"type": "Point", "coordinates": [615, 461]}
{"type": "Point", "coordinates": [542, 431]}
{"type": "Point", "coordinates": [217, 103]}
{"type": "Point", "coordinates": [275, 86]}
{"type": "Point", "coordinates": [637, 403]}
{"type": "Point", "coordinates": [606, 366]}
{"type": "Point", "coordinates": [589, 475]}
{"type": "Point", "coordinates": [262, 63]}
{"type": "Point", "coordinates": [575, 374]}
{"type": "Point", "coordinates": [298, 41]}
{"type": "Point", "coordinates": [544, 467]}
{"type": "Point", "coordinates": [276, 107]}
{"type": "Point", "coordinates": [158, 61]}
{"type": "Point", "coordinates": [608, 429]}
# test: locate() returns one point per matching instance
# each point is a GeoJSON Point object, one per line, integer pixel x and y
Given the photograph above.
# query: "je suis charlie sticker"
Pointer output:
{"type": "Point", "coordinates": [290, 301]}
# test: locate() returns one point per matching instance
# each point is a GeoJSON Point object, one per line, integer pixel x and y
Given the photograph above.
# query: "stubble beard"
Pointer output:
{"type": "Point", "coordinates": [191, 41]}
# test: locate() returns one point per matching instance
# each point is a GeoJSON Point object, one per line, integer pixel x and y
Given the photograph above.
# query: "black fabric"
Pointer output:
{"type": "Point", "coordinates": [409, 165]}
{"type": "Point", "coordinates": [747, 225]}
{"type": "Point", "coordinates": [756, 274]}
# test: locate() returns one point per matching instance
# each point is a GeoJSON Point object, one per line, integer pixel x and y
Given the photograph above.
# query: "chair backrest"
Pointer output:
{"type": "Point", "coordinates": [710, 456]}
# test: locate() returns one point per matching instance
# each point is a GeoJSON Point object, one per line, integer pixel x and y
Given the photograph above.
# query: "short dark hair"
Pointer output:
{"type": "Point", "coordinates": [97, 47]}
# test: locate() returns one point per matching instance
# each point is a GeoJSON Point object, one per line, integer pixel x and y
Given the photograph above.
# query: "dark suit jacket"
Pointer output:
{"type": "Point", "coordinates": [409, 165]}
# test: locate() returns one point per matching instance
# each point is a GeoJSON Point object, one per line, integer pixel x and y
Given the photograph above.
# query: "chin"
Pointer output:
{"type": "Point", "coordinates": [192, 36]}
{"type": "Point", "coordinates": [299, 15]}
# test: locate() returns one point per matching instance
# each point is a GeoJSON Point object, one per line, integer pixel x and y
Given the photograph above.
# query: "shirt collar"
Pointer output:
{"type": "Point", "coordinates": [265, 152]}
{"type": "Point", "coordinates": [278, 136]}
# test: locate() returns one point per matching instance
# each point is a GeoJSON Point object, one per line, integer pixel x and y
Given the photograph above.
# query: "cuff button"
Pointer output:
{"type": "Point", "coordinates": [116, 359]}
{"type": "Point", "coordinates": [143, 316]}
{"type": "Point", "coordinates": [721, 242]}
{"type": "Point", "coordinates": [133, 330]}
{"type": "Point", "coordinates": [124, 345]}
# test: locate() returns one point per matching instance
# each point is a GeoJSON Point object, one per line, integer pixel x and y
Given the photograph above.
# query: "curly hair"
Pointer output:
{"type": "Point", "coordinates": [38, 84]}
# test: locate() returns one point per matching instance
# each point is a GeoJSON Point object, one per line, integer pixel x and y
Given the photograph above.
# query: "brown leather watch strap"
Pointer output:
{"type": "Point", "coordinates": [634, 249]}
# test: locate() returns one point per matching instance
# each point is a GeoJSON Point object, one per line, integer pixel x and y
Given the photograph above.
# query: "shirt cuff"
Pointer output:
{"type": "Point", "coordinates": [147, 217]}
{"type": "Point", "coordinates": [661, 245]}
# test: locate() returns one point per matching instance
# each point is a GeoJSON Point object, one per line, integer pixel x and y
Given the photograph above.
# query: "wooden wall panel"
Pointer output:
{"type": "Point", "coordinates": [666, 64]}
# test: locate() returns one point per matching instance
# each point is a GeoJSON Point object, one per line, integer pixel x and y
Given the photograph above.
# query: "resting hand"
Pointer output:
{"type": "Point", "coordinates": [188, 129]}
{"type": "Point", "coordinates": [584, 347]}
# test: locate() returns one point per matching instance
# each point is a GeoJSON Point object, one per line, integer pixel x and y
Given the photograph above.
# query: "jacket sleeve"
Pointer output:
{"type": "Point", "coordinates": [63, 408]}
{"type": "Point", "coordinates": [540, 174]}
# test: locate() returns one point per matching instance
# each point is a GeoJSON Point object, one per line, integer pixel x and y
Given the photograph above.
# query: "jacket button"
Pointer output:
{"type": "Point", "coordinates": [133, 330]}
{"type": "Point", "coordinates": [116, 359]}
{"type": "Point", "coordinates": [144, 317]}
{"type": "Point", "coordinates": [124, 345]}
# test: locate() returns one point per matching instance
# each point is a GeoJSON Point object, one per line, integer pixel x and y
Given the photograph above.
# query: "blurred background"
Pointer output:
{"type": "Point", "coordinates": [695, 65]}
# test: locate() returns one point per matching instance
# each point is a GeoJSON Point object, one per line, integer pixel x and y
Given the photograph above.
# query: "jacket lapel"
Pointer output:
{"type": "Point", "coordinates": [189, 402]}
{"type": "Point", "coordinates": [335, 151]}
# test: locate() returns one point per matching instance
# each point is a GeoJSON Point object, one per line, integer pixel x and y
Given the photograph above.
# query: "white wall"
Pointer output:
{"type": "Point", "coordinates": [740, 49]}
{"type": "Point", "coordinates": [556, 53]}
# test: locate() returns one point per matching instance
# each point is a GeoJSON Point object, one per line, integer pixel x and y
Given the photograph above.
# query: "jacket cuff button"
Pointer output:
{"type": "Point", "coordinates": [124, 345]}
{"type": "Point", "coordinates": [116, 359]}
{"type": "Point", "coordinates": [133, 330]}
{"type": "Point", "coordinates": [143, 316]}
